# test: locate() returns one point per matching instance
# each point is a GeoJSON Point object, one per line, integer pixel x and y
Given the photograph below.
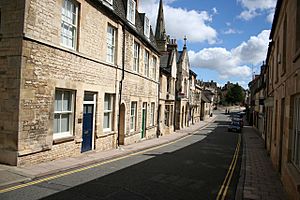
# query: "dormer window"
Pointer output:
{"type": "Point", "coordinates": [131, 11]}
{"type": "Point", "coordinates": [147, 27]}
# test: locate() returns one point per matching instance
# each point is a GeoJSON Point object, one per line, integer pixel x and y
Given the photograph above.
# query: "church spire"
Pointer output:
{"type": "Point", "coordinates": [160, 33]}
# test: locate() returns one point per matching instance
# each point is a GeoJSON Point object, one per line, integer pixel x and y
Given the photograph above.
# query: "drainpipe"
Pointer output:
{"type": "Point", "coordinates": [158, 107]}
{"type": "Point", "coordinates": [121, 85]}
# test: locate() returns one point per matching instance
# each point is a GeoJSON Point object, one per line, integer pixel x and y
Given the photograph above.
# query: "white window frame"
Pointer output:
{"type": "Point", "coordinates": [152, 114]}
{"type": "Point", "coordinates": [146, 63]}
{"type": "Point", "coordinates": [154, 67]}
{"type": "Point", "coordinates": [108, 111]}
{"type": "Point", "coordinates": [296, 133]}
{"type": "Point", "coordinates": [58, 135]}
{"type": "Point", "coordinates": [146, 26]}
{"type": "Point", "coordinates": [136, 56]}
{"type": "Point", "coordinates": [131, 5]}
{"type": "Point", "coordinates": [69, 24]}
{"type": "Point", "coordinates": [133, 113]}
{"type": "Point", "coordinates": [111, 44]}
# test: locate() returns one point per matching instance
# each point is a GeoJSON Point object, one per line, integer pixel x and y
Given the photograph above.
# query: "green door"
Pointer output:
{"type": "Point", "coordinates": [144, 117]}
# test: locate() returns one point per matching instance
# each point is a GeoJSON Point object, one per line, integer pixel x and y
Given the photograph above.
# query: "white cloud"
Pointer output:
{"type": "Point", "coordinates": [232, 31]}
{"type": "Point", "coordinates": [270, 16]}
{"type": "Point", "coordinates": [258, 4]}
{"type": "Point", "coordinates": [235, 62]}
{"type": "Point", "coordinates": [254, 8]}
{"type": "Point", "coordinates": [180, 22]}
{"type": "Point", "coordinates": [248, 14]}
{"type": "Point", "coordinates": [215, 11]}
{"type": "Point", "coordinates": [254, 50]}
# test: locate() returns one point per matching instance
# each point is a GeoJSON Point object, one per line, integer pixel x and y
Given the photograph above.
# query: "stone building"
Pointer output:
{"type": "Point", "coordinates": [258, 92]}
{"type": "Point", "coordinates": [194, 99]}
{"type": "Point", "coordinates": [74, 76]}
{"type": "Point", "coordinates": [283, 95]}
{"type": "Point", "coordinates": [168, 72]}
{"type": "Point", "coordinates": [182, 89]}
{"type": "Point", "coordinates": [174, 109]}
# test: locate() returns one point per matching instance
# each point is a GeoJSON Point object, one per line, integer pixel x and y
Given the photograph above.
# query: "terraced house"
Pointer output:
{"type": "Point", "coordinates": [75, 76]}
{"type": "Point", "coordinates": [283, 95]}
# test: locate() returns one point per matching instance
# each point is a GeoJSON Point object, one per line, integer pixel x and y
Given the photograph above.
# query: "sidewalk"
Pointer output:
{"type": "Point", "coordinates": [12, 175]}
{"type": "Point", "coordinates": [258, 180]}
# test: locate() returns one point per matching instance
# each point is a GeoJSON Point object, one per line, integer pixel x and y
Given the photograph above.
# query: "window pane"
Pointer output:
{"type": "Point", "coordinates": [67, 101]}
{"type": "Point", "coordinates": [88, 97]}
{"type": "Point", "coordinates": [58, 100]}
{"type": "Point", "coordinates": [69, 23]}
{"type": "Point", "coordinates": [56, 124]}
{"type": "Point", "coordinates": [106, 120]}
{"type": "Point", "coordinates": [65, 119]}
{"type": "Point", "coordinates": [107, 102]}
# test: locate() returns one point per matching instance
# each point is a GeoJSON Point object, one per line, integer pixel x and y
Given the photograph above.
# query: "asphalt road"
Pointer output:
{"type": "Point", "coordinates": [192, 168]}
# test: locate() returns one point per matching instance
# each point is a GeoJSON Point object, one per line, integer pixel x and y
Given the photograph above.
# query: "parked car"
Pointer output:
{"type": "Point", "coordinates": [235, 126]}
{"type": "Point", "coordinates": [239, 120]}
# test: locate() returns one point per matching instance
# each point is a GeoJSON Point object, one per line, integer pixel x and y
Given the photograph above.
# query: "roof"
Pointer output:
{"type": "Point", "coordinates": [119, 9]}
{"type": "Point", "coordinates": [179, 55]}
{"type": "Point", "coordinates": [191, 72]}
{"type": "Point", "coordinates": [205, 98]}
{"type": "Point", "coordinates": [166, 60]}
{"type": "Point", "coordinates": [276, 16]}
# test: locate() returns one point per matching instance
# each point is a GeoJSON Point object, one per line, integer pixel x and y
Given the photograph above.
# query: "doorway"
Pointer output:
{"type": "Point", "coordinates": [89, 105]}
{"type": "Point", "coordinates": [144, 120]}
{"type": "Point", "coordinates": [122, 125]}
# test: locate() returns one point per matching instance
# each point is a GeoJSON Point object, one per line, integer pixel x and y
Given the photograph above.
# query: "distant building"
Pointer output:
{"type": "Point", "coordinates": [194, 99]}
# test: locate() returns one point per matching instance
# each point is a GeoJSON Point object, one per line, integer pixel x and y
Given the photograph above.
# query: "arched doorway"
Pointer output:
{"type": "Point", "coordinates": [122, 124]}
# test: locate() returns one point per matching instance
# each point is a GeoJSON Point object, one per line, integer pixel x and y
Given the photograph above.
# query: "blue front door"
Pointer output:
{"type": "Point", "coordinates": [87, 129]}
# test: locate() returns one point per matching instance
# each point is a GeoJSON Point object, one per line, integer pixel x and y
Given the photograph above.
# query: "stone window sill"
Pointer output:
{"type": "Point", "coordinates": [64, 139]}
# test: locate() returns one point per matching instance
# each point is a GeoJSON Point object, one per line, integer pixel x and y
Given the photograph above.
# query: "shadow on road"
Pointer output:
{"type": "Point", "coordinates": [193, 172]}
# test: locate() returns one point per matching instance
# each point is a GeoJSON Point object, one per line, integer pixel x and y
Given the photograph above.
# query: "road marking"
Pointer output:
{"type": "Point", "coordinates": [225, 185]}
{"type": "Point", "coordinates": [94, 165]}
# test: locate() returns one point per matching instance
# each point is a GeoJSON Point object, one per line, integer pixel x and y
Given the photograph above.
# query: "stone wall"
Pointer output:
{"type": "Point", "coordinates": [284, 85]}
{"type": "Point", "coordinates": [34, 64]}
{"type": "Point", "coordinates": [12, 13]}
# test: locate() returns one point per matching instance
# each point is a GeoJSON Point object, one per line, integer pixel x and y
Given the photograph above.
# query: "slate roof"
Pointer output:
{"type": "Point", "coordinates": [179, 55]}
{"type": "Point", "coordinates": [205, 98]}
{"type": "Point", "coordinates": [191, 72]}
{"type": "Point", "coordinates": [166, 60]}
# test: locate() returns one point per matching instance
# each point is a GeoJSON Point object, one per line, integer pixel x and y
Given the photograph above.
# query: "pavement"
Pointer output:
{"type": "Point", "coordinates": [258, 179]}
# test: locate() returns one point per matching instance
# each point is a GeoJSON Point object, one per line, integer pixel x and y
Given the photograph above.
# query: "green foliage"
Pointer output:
{"type": "Point", "coordinates": [235, 95]}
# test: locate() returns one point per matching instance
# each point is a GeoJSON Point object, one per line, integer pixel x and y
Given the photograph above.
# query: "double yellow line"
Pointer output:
{"type": "Point", "coordinates": [224, 188]}
{"type": "Point", "coordinates": [87, 167]}
{"type": "Point", "coordinates": [92, 166]}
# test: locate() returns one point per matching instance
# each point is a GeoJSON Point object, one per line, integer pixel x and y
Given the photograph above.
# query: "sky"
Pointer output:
{"type": "Point", "coordinates": [227, 40]}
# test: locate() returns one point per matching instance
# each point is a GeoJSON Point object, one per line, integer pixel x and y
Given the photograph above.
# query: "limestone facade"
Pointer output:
{"type": "Point", "coordinates": [283, 92]}
{"type": "Point", "coordinates": [182, 90]}
{"type": "Point", "coordinates": [39, 73]}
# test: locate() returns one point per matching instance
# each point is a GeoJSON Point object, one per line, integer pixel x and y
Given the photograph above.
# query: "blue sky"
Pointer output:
{"type": "Point", "coordinates": [226, 38]}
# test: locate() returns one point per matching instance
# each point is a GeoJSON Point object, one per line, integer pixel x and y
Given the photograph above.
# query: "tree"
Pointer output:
{"type": "Point", "coordinates": [235, 95]}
